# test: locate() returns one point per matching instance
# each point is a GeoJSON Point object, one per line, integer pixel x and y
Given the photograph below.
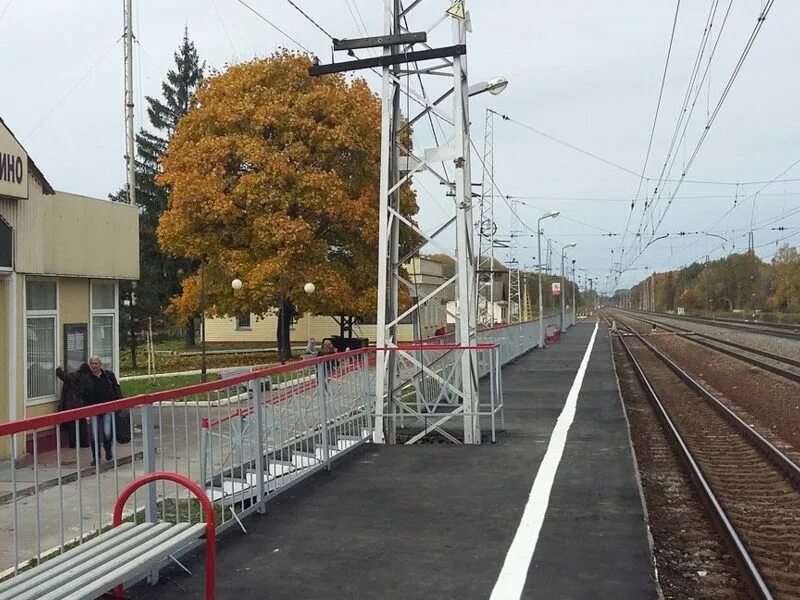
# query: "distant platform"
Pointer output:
{"type": "Point", "coordinates": [468, 522]}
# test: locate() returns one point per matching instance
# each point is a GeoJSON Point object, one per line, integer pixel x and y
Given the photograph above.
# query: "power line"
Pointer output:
{"type": "Point", "coordinates": [655, 120]}
{"type": "Point", "coordinates": [622, 199]}
{"type": "Point", "coordinates": [310, 20]}
{"type": "Point", "coordinates": [69, 92]}
{"type": "Point", "coordinates": [8, 4]}
{"type": "Point", "coordinates": [568, 145]}
{"type": "Point", "coordinates": [271, 24]}
{"type": "Point", "coordinates": [759, 23]}
{"type": "Point", "coordinates": [224, 28]}
{"type": "Point", "coordinates": [626, 169]}
{"type": "Point", "coordinates": [712, 118]}
{"type": "Point", "coordinates": [683, 116]}
{"type": "Point", "coordinates": [658, 103]}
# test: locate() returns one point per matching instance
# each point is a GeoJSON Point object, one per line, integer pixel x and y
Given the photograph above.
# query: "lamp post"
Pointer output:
{"type": "Point", "coordinates": [203, 374]}
{"type": "Point", "coordinates": [573, 291]}
{"type": "Point", "coordinates": [563, 256]}
{"type": "Point", "coordinates": [550, 215]}
{"type": "Point", "coordinates": [309, 288]}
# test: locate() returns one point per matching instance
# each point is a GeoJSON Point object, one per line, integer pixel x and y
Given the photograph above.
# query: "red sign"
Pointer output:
{"type": "Point", "coordinates": [556, 288]}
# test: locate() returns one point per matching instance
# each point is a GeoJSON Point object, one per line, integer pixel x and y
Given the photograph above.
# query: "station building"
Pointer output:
{"type": "Point", "coordinates": [62, 257]}
{"type": "Point", "coordinates": [425, 274]}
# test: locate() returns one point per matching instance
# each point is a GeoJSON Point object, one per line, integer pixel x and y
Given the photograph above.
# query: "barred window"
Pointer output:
{"type": "Point", "coordinates": [104, 322]}
{"type": "Point", "coordinates": [41, 315]}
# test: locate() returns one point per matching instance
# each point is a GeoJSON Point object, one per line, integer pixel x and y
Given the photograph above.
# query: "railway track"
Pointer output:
{"type": "Point", "coordinates": [750, 487]}
{"type": "Point", "coordinates": [791, 332]}
{"type": "Point", "coordinates": [783, 366]}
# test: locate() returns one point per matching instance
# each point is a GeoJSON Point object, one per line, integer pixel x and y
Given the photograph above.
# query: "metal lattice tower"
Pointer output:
{"type": "Point", "coordinates": [514, 287]}
{"type": "Point", "coordinates": [403, 67]}
{"type": "Point", "coordinates": [487, 229]}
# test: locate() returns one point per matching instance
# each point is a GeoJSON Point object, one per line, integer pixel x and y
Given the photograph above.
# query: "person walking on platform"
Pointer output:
{"type": "Point", "coordinates": [71, 397]}
{"type": "Point", "coordinates": [101, 386]}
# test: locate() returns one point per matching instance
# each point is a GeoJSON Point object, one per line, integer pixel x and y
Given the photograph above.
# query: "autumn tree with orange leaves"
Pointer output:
{"type": "Point", "coordinates": [274, 179]}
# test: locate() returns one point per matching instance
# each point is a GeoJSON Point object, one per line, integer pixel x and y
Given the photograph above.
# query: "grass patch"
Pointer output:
{"type": "Point", "coordinates": [167, 363]}
{"type": "Point", "coordinates": [147, 386]}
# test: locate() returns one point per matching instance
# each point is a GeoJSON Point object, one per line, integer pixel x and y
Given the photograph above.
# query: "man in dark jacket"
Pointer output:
{"type": "Point", "coordinates": [101, 386]}
{"type": "Point", "coordinates": [71, 397]}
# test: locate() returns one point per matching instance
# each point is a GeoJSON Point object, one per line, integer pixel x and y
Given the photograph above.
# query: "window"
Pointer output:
{"type": "Point", "coordinates": [103, 339]}
{"type": "Point", "coordinates": [41, 314]}
{"type": "Point", "coordinates": [243, 322]}
{"type": "Point", "coordinates": [102, 295]}
{"type": "Point", "coordinates": [104, 322]}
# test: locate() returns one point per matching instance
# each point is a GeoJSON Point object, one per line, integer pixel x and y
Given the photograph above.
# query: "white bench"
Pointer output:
{"type": "Point", "coordinates": [123, 553]}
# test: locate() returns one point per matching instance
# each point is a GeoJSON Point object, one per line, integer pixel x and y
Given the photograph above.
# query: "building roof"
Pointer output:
{"type": "Point", "coordinates": [46, 187]}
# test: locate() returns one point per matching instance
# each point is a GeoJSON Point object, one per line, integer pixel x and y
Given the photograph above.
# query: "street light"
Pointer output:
{"type": "Point", "coordinates": [573, 291]}
{"type": "Point", "coordinates": [309, 288]}
{"type": "Point", "coordinates": [563, 256]}
{"type": "Point", "coordinates": [549, 215]}
{"type": "Point", "coordinates": [493, 86]}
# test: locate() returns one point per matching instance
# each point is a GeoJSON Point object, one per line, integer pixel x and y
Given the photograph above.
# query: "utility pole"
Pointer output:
{"type": "Point", "coordinates": [573, 292]}
{"type": "Point", "coordinates": [130, 138]}
{"type": "Point", "coordinates": [653, 292]}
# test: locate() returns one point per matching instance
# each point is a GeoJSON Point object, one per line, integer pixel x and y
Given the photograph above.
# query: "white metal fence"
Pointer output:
{"type": "Point", "coordinates": [244, 439]}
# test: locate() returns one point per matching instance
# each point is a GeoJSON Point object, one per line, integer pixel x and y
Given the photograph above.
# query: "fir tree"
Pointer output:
{"type": "Point", "coordinates": [160, 274]}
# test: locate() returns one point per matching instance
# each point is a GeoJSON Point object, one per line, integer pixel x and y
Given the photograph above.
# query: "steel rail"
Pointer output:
{"type": "Point", "coordinates": [755, 580]}
{"type": "Point", "coordinates": [693, 336]}
{"type": "Point", "coordinates": [781, 330]}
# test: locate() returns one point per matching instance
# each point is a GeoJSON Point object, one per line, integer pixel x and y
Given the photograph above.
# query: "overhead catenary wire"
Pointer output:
{"type": "Point", "coordinates": [224, 28]}
{"type": "Point", "coordinates": [5, 9]}
{"type": "Point", "coordinates": [310, 19]}
{"type": "Point", "coordinates": [72, 89]}
{"type": "Point", "coordinates": [273, 25]}
{"type": "Point", "coordinates": [684, 116]}
{"type": "Point", "coordinates": [507, 118]}
{"type": "Point", "coordinates": [745, 52]}
{"type": "Point", "coordinates": [751, 40]}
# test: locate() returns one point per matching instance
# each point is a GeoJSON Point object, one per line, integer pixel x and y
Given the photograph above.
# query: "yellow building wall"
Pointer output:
{"type": "Point", "coordinates": [73, 304]}
{"type": "Point", "coordinates": [3, 351]}
{"type": "Point", "coordinates": [263, 329]}
{"type": "Point", "coordinates": [68, 234]}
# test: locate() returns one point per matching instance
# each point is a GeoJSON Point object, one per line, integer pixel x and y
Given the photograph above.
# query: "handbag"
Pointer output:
{"type": "Point", "coordinates": [122, 424]}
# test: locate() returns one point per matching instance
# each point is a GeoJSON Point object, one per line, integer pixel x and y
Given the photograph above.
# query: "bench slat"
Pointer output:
{"type": "Point", "coordinates": [136, 561]}
{"type": "Point", "coordinates": [46, 569]}
{"type": "Point", "coordinates": [80, 564]}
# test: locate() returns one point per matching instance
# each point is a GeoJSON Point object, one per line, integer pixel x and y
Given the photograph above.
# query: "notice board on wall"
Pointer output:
{"type": "Point", "coordinates": [76, 346]}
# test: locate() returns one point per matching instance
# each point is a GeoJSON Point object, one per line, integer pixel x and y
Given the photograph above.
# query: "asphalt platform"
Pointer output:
{"type": "Point", "coordinates": [437, 521]}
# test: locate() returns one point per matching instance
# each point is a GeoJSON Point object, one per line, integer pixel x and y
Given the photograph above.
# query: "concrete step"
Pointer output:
{"type": "Point", "coordinates": [304, 459]}
{"type": "Point", "coordinates": [319, 452]}
{"type": "Point", "coordinates": [278, 468]}
{"type": "Point", "coordinates": [345, 443]}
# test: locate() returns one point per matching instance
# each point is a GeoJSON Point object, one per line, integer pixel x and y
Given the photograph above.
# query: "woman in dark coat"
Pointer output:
{"type": "Point", "coordinates": [71, 392]}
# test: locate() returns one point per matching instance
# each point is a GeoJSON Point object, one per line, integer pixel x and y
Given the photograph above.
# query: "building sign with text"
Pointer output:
{"type": "Point", "coordinates": [13, 166]}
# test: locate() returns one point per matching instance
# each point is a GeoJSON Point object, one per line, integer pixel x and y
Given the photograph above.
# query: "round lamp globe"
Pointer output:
{"type": "Point", "coordinates": [309, 288]}
{"type": "Point", "coordinates": [236, 284]}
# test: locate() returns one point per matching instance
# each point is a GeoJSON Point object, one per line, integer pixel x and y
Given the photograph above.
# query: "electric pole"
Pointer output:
{"type": "Point", "coordinates": [130, 138]}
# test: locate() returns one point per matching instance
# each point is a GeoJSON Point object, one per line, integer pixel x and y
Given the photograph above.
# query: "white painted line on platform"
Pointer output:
{"type": "Point", "coordinates": [515, 568]}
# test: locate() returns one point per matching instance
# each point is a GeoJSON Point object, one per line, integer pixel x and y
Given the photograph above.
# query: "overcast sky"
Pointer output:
{"type": "Point", "coordinates": [582, 71]}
